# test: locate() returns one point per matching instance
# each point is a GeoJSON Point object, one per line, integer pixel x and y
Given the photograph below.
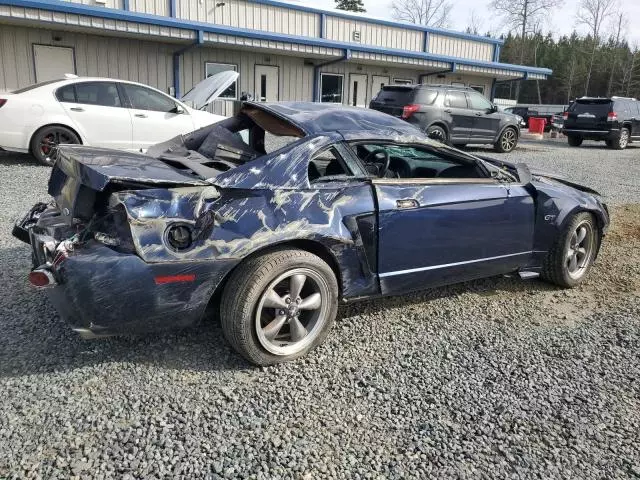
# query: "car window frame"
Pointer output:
{"type": "Point", "coordinates": [461, 92]}
{"type": "Point", "coordinates": [488, 179]}
{"type": "Point", "coordinates": [470, 96]}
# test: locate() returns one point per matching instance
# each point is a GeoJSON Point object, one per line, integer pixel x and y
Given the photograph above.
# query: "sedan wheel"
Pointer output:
{"type": "Point", "coordinates": [279, 306]}
{"type": "Point", "coordinates": [45, 142]}
{"type": "Point", "coordinates": [570, 260]}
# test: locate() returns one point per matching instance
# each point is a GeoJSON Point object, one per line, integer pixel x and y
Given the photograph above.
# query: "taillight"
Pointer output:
{"type": "Point", "coordinates": [409, 110]}
{"type": "Point", "coordinates": [612, 117]}
{"type": "Point", "coordinates": [565, 115]}
{"type": "Point", "coordinates": [2, 101]}
{"type": "Point", "coordinates": [42, 277]}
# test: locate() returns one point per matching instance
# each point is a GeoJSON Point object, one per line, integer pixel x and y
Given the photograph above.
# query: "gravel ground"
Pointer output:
{"type": "Point", "coordinates": [498, 378]}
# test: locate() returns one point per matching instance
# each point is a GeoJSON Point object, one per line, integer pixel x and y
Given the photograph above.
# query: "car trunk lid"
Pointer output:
{"type": "Point", "coordinates": [209, 89]}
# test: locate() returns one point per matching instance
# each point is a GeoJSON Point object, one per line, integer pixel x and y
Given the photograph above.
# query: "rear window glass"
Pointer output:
{"type": "Point", "coordinates": [396, 94]}
{"type": "Point", "coordinates": [595, 107]}
{"type": "Point", "coordinates": [425, 96]}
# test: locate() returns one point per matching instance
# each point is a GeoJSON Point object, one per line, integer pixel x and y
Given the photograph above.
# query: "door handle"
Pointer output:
{"type": "Point", "coordinates": [77, 109]}
{"type": "Point", "coordinates": [478, 114]}
{"type": "Point", "coordinates": [407, 203]}
{"type": "Point", "coordinates": [447, 110]}
{"type": "Point", "coordinates": [140, 115]}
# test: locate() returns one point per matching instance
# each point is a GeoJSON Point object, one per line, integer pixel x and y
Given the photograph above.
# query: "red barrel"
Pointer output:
{"type": "Point", "coordinates": [536, 125]}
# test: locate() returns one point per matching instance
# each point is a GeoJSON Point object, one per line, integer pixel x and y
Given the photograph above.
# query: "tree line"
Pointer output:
{"type": "Point", "coordinates": [600, 62]}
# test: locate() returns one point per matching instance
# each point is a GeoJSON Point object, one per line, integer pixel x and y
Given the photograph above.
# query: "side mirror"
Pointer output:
{"type": "Point", "coordinates": [178, 110]}
{"type": "Point", "coordinates": [494, 108]}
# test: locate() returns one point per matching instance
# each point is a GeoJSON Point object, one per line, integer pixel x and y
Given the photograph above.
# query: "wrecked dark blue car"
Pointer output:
{"type": "Point", "coordinates": [353, 204]}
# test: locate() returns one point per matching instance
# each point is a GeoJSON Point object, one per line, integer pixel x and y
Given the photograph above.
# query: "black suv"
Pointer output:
{"type": "Point", "coordinates": [615, 120]}
{"type": "Point", "coordinates": [455, 115]}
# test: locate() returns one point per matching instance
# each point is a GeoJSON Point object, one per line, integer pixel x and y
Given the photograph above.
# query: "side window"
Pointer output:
{"type": "Point", "coordinates": [66, 94]}
{"type": "Point", "coordinates": [456, 99]}
{"type": "Point", "coordinates": [143, 98]}
{"type": "Point", "coordinates": [327, 163]}
{"type": "Point", "coordinates": [478, 102]}
{"type": "Point", "coordinates": [408, 161]}
{"type": "Point", "coordinates": [97, 93]}
{"type": "Point", "coordinates": [426, 96]}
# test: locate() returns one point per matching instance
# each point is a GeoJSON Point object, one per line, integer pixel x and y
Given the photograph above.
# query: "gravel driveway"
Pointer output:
{"type": "Point", "coordinates": [498, 378]}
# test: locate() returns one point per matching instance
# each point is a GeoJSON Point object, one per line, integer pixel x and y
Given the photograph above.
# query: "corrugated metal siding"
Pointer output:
{"type": "Point", "coordinates": [459, 47]}
{"type": "Point", "coordinates": [126, 59]}
{"type": "Point", "coordinates": [87, 22]}
{"type": "Point", "coordinates": [379, 57]}
{"type": "Point", "coordinates": [106, 3]}
{"type": "Point", "coordinates": [342, 29]}
{"type": "Point", "coordinates": [255, 16]}
{"type": "Point", "coordinates": [152, 7]}
{"type": "Point", "coordinates": [295, 78]}
{"type": "Point", "coordinates": [293, 48]}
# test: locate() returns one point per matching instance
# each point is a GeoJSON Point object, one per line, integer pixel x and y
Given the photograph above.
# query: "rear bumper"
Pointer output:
{"type": "Point", "coordinates": [100, 291]}
{"type": "Point", "coordinates": [592, 134]}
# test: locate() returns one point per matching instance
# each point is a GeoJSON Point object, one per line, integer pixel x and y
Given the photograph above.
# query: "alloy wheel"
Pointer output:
{"type": "Point", "coordinates": [291, 311]}
{"type": "Point", "coordinates": [49, 142]}
{"type": "Point", "coordinates": [580, 250]}
{"type": "Point", "coordinates": [624, 138]}
{"type": "Point", "coordinates": [508, 140]}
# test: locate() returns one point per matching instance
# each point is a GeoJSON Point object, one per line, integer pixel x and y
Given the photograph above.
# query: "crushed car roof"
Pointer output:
{"type": "Point", "coordinates": [318, 118]}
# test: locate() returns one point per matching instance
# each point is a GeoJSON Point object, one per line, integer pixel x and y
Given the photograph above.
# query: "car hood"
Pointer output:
{"type": "Point", "coordinates": [209, 89]}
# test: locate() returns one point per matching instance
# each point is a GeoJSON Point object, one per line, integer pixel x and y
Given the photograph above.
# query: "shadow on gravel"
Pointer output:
{"type": "Point", "coordinates": [19, 160]}
{"type": "Point", "coordinates": [35, 340]}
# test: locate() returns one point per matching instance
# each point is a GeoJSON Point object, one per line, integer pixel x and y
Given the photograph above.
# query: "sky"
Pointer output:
{"type": "Point", "coordinates": [562, 20]}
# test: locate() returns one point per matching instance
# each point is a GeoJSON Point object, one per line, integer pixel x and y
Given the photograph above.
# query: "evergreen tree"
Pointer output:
{"type": "Point", "coordinates": [350, 5]}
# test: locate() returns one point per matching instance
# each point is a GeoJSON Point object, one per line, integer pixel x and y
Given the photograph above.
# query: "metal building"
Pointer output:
{"type": "Point", "coordinates": [282, 51]}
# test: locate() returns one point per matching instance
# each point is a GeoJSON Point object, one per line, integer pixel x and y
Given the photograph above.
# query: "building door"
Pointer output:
{"type": "Point", "coordinates": [357, 90]}
{"type": "Point", "coordinates": [266, 84]}
{"type": "Point", "coordinates": [377, 82]}
{"type": "Point", "coordinates": [53, 62]}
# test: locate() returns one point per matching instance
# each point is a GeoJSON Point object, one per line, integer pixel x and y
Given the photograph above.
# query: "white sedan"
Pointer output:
{"type": "Point", "coordinates": [102, 112]}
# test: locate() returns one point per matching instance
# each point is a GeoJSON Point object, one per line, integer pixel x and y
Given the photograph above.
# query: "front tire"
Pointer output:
{"type": "Point", "coordinates": [279, 306]}
{"type": "Point", "coordinates": [437, 133]}
{"type": "Point", "coordinates": [507, 141]}
{"type": "Point", "coordinates": [571, 258]}
{"type": "Point", "coordinates": [45, 141]}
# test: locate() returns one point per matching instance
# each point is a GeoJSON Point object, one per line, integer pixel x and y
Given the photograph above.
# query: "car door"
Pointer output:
{"type": "Point", "coordinates": [634, 108]}
{"type": "Point", "coordinates": [486, 121]}
{"type": "Point", "coordinates": [98, 113]}
{"type": "Point", "coordinates": [155, 117]}
{"type": "Point", "coordinates": [454, 225]}
{"type": "Point", "coordinates": [458, 116]}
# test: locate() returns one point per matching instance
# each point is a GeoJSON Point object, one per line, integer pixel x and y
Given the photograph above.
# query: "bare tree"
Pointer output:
{"type": "Point", "coordinates": [522, 16]}
{"type": "Point", "coordinates": [621, 22]}
{"type": "Point", "coordinates": [475, 23]}
{"type": "Point", "coordinates": [434, 13]}
{"type": "Point", "coordinates": [593, 14]}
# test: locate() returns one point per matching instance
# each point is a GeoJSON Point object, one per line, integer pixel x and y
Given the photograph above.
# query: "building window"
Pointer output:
{"type": "Point", "coordinates": [402, 81]}
{"type": "Point", "coordinates": [478, 88]}
{"type": "Point", "coordinates": [230, 93]}
{"type": "Point", "coordinates": [331, 86]}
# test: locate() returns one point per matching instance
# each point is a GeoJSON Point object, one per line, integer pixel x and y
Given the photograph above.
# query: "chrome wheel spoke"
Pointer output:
{"type": "Point", "coordinates": [573, 263]}
{"type": "Point", "coordinates": [580, 235]}
{"type": "Point", "coordinates": [312, 302]}
{"type": "Point", "coordinates": [273, 300]}
{"type": "Point", "coordinates": [582, 252]}
{"type": "Point", "coordinates": [295, 285]}
{"type": "Point", "coordinates": [298, 332]}
{"type": "Point", "coordinates": [274, 327]}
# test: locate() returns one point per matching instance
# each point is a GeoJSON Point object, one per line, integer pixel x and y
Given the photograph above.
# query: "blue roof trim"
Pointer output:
{"type": "Point", "coordinates": [103, 12]}
{"type": "Point", "coordinates": [380, 21]}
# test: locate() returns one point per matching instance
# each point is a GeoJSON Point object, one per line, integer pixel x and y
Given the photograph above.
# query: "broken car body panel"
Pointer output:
{"type": "Point", "coordinates": [142, 242]}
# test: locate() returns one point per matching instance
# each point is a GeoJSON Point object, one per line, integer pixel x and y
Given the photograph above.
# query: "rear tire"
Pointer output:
{"type": "Point", "coordinates": [437, 133]}
{"type": "Point", "coordinates": [622, 141]}
{"type": "Point", "coordinates": [574, 141]}
{"type": "Point", "coordinates": [266, 318]}
{"type": "Point", "coordinates": [45, 141]}
{"type": "Point", "coordinates": [507, 141]}
{"type": "Point", "coordinates": [570, 259]}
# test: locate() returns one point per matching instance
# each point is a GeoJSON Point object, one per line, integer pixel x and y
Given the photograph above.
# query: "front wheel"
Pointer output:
{"type": "Point", "coordinates": [437, 133]}
{"type": "Point", "coordinates": [279, 306]}
{"type": "Point", "coordinates": [507, 141]}
{"type": "Point", "coordinates": [46, 140]}
{"type": "Point", "coordinates": [569, 261]}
